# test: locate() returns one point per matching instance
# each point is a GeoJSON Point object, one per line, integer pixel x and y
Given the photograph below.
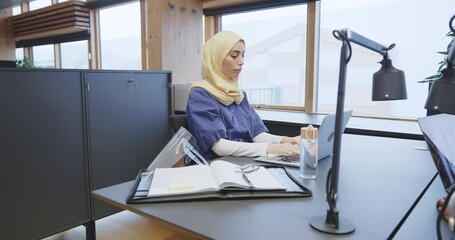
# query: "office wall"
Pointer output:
{"type": "Point", "coordinates": [7, 45]}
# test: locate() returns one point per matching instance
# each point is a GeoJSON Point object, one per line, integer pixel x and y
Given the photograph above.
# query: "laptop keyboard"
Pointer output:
{"type": "Point", "coordinates": [291, 158]}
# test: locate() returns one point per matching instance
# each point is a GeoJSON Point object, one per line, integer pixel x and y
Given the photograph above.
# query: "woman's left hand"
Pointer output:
{"type": "Point", "coordinates": [291, 140]}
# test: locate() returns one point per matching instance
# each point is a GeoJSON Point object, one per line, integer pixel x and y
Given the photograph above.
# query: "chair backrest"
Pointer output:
{"type": "Point", "coordinates": [177, 121]}
{"type": "Point", "coordinates": [180, 92]}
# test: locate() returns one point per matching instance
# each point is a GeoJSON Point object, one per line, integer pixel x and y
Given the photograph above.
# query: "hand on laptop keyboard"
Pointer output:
{"type": "Point", "coordinates": [291, 158]}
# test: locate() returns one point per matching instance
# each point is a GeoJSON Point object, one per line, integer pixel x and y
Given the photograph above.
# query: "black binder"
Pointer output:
{"type": "Point", "coordinates": [294, 188]}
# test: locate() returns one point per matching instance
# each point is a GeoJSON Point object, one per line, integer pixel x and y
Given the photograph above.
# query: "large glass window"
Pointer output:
{"type": "Point", "coordinates": [19, 53]}
{"type": "Point", "coordinates": [17, 10]}
{"type": "Point", "coordinates": [418, 36]}
{"type": "Point", "coordinates": [121, 49]}
{"type": "Point", "coordinates": [43, 56]}
{"type": "Point", "coordinates": [37, 4]}
{"type": "Point", "coordinates": [74, 54]}
{"type": "Point", "coordinates": [274, 69]}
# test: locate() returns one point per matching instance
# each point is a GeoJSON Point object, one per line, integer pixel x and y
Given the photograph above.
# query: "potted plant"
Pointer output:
{"type": "Point", "coordinates": [441, 66]}
{"type": "Point", "coordinates": [441, 63]}
{"type": "Point", "coordinates": [25, 63]}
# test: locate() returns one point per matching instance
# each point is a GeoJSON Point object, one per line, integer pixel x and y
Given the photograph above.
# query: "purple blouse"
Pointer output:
{"type": "Point", "coordinates": [209, 120]}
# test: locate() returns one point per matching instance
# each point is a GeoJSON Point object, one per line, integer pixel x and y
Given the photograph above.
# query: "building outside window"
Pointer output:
{"type": "Point", "coordinates": [19, 51]}
{"type": "Point", "coordinates": [43, 56]}
{"type": "Point", "coordinates": [275, 59]}
{"type": "Point", "coordinates": [37, 4]}
{"type": "Point", "coordinates": [274, 69]}
{"type": "Point", "coordinates": [17, 10]}
{"type": "Point", "coordinates": [418, 28]}
{"type": "Point", "coordinates": [121, 49]}
{"type": "Point", "coordinates": [74, 54]}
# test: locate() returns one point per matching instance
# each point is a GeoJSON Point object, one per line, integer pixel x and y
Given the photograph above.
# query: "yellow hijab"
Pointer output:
{"type": "Point", "coordinates": [224, 89]}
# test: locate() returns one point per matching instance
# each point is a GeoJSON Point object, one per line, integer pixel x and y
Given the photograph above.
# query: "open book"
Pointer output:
{"type": "Point", "coordinates": [216, 177]}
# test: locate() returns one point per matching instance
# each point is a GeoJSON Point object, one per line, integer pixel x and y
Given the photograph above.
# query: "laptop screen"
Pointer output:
{"type": "Point", "coordinates": [325, 142]}
{"type": "Point", "coordinates": [327, 132]}
{"type": "Point", "coordinates": [439, 134]}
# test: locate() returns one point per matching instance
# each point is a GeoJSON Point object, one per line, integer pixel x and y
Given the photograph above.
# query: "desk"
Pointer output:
{"type": "Point", "coordinates": [380, 178]}
{"type": "Point", "coordinates": [421, 224]}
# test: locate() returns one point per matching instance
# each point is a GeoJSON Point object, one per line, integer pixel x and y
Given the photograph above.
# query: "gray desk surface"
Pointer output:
{"type": "Point", "coordinates": [421, 224]}
{"type": "Point", "coordinates": [380, 178]}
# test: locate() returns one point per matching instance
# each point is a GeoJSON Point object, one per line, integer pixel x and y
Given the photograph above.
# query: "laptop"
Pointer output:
{"type": "Point", "coordinates": [325, 143]}
{"type": "Point", "coordinates": [439, 134]}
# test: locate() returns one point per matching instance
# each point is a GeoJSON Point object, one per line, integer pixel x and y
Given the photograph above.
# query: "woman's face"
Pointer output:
{"type": "Point", "coordinates": [232, 63]}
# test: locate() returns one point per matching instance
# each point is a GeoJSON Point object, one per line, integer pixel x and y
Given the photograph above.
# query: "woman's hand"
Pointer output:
{"type": "Point", "coordinates": [283, 148]}
{"type": "Point", "coordinates": [447, 215]}
{"type": "Point", "coordinates": [291, 140]}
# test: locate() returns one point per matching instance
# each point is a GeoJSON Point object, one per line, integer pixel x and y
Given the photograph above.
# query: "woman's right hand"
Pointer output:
{"type": "Point", "coordinates": [283, 149]}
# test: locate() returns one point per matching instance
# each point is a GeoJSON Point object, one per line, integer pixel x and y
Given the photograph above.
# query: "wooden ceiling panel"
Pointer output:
{"type": "Point", "coordinates": [54, 20]}
{"type": "Point", "coordinates": [213, 4]}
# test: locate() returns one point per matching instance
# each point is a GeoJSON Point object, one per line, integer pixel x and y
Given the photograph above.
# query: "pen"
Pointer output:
{"type": "Point", "coordinates": [250, 185]}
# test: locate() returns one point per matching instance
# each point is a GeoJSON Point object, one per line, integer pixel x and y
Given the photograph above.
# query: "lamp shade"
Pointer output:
{"type": "Point", "coordinates": [388, 83]}
{"type": "Point", "coordinates": [441, 97]}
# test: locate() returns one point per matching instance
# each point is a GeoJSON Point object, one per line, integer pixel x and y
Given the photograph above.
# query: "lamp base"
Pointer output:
{"type": "Point", "coordinates": [346, 226]}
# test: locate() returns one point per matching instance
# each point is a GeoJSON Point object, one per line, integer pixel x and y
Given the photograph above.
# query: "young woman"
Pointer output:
{"type": "Point", "coordinates": [218, 113]}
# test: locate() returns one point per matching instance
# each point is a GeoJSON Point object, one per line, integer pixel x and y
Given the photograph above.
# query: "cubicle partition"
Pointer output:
{"type": "Point", "coordinates": [65, 133]}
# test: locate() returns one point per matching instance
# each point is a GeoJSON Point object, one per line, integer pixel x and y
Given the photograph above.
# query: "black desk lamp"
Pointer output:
{"type": "Point", "coordinates": [441, 97]}
{"type": "Point", "coordinates": [388, 84]}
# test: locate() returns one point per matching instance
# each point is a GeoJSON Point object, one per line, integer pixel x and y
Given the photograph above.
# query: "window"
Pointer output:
{"type": "Point", "coordinates": [68, 0]}
{"type": "Point", "coordinates": [74, 54]}
{"type": "Point", "coordinates": [418, 36]}
{"type": "Point", "coordinates": [17, 10]}
{"type": "Point", "coordinates": [19, 53]}
{"type": "Point", "coordinates": [43, 56]}
{"type": "Point", "coordinates": [275, 39]}
{"type": "Point", "coordinates": [121, 49]}
{"type": "Point", "coordinates": [33, 5]}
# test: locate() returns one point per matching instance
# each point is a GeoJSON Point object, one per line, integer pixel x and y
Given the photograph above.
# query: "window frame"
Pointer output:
{"type": "Point", "coordinates": [94, 44]}
{"type": "Point", "coordinates": [213, 25]}
{"type": "Point", "coordinates": [312, 68]}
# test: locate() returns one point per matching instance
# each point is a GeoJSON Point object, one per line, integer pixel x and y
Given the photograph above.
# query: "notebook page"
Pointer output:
{"type": "Point", "coordinates": [227, 175]}
{"type": "Point", "coordinates": [183, 180]}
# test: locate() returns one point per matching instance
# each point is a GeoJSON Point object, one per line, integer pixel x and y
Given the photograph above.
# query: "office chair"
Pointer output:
{"type": "Point", "coordinates": [178, 121]}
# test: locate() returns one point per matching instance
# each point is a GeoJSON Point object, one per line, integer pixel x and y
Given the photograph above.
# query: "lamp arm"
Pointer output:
{"type": "Point", "coordinates": [332, 189]}
{"type": "Point", "coordinates": [331, 222]}
{"type": "Point", "coordinates": [346, 36]}
{"type": "Point", "coordinates": [366, 42]}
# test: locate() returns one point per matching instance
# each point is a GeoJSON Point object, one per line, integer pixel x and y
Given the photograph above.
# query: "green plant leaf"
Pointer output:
{"type": "Point", "coordinates": [441, 63]}
{"type": "Point", "coordinates": [25, 63]}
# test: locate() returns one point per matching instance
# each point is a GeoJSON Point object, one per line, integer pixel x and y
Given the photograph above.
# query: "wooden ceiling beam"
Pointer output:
{"type": "Point", "coordinates": [212, 4]}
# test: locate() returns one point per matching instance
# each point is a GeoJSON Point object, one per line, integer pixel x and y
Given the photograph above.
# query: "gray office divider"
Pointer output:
{"type": "Point", "coordinates": [128, 124]}
{"type": "Point", "coordinates": [65, 133]}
